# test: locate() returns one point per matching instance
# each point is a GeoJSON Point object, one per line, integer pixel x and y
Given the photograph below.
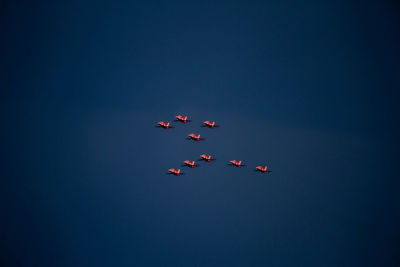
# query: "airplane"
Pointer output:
{"type": "Point", "coordinates": [206, 158]}
{"type": "Point", "coordinates": [182, 119]}
{"type": "Point", "coordinates": [210, 124]}
{"type": "Point", "coordinates": [190, 164]}
{"type": "Point", "coordinates": [175, 172]}
{"type": "Point", "coordinates": [164, 125]}
{"type": "Point", "coordinates": [262, 169]}
{"type": "Point", "coordinates": [194, 137]}
{"type": "Point", "coordinates": [236, 163]}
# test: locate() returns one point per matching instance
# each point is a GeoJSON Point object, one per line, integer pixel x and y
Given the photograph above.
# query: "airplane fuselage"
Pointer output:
{"type": "Point", "coordinates": [182, 119]}
{"type": "Point", "coordinates": [206, 158]}
{"type": "Point", "coordinates": [209, 124]}
{"type": "Point", "coordinates": [262, 169]}
{"type": "Point", "coordinates": [164, 125]}
{"type": "Point", "coordinates": [175, 172]}
{"type": "Point", "coordinates": [236, 163]}
{"type": "Point", "coordinates": [194, 137]}
{"type": "Point", "coordinates": [190, 164]}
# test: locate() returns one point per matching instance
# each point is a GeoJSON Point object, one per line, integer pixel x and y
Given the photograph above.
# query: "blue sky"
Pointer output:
{"type": "Point", "coordinates": [307, 88]}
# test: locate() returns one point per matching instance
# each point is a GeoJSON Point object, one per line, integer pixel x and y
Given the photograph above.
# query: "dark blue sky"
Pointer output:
{"type": "Point", "coordinates": [306, 87]}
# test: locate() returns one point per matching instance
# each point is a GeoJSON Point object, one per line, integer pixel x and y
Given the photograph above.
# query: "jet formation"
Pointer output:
{"type": "Point", "coordinates": [203, 157]}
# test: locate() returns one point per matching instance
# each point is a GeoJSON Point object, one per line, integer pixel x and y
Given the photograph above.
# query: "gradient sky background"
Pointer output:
{"type": "Point", "coordinates": [307, 87]}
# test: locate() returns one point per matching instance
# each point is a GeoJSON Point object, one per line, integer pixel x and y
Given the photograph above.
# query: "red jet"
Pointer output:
{"type": "Point", "coordinates": [210, 124]}
{"type": "Point", "coordinates": [182, 119]}
{"type": "Point", "coordinates": [164, 125]}
{"type": "Point", "coordinates": [262, 169]}
{"type": "Point", "coordinates": [194, 137]}
{"type": "Point", "coordinates": [175, 172]}
{"type": "Point", "coordinates": [206, 158]}
{"type": "Point", "coordinates": [236, 163]}
{"type": "Point", "coordinates": [190, 164]}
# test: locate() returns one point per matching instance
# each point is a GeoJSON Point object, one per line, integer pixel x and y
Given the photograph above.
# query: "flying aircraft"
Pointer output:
{"type": "Point", "coordinates": [182, 119]}
{"type": "Point", "coordinates": [262, 169]}
{"type": "Point", "coordinates": [190, 164]}
{"type": "Point", "coordinates": [164, 125]}
{"type": "Point", "coordinates": [194, 137]}
{"type": "Point", "coordinates": [236, 163]}
{"type": "Point", "coordinates": [175, 172]}
{"type": "Point", "coordinates": [206, 158]}
{"type": "Point", "coordinates": [209, 124]}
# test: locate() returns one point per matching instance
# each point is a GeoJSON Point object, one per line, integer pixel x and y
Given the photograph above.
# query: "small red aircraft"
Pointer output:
{"type": "Point", "coordinates": [209, 124]}
{"type": "Point", "coordinates": [206, 158]}
{"type": "Point", "coordinates": [182, 119]}
{"type": "Point", "coordinates": [194, 137]}
{"type": "Point", "coordinates": [190, 164]}
{"type": "Point", "coordinates": [164, 125]}
{"type": "Point", "coordinates": [262, 169]}
{"type": "Point", "coordinates": [236, 163]}
{"type": "Point", "coordinates": [175, 172]}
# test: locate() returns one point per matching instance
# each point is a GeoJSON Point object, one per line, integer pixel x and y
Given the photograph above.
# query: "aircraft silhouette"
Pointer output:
{"type": "Point", "coordinates": [262, 169]}
{"type": "Point", "coordinates": [206, 158]}
{"type": "Point", "coordinates": [194, 137]}
{"type": "Point", "coordinates": [190, 164]}
{"type": "Point", "coordinates": [209, 124]}
{"type": "Point", "coordinates": [182, 119]}
{"type": "Point", "coordinates": [236, 163]}
{"type": "Point", "coordinates": [164, 125]}
{"type": "Point", "coordinates": [175, 172]}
